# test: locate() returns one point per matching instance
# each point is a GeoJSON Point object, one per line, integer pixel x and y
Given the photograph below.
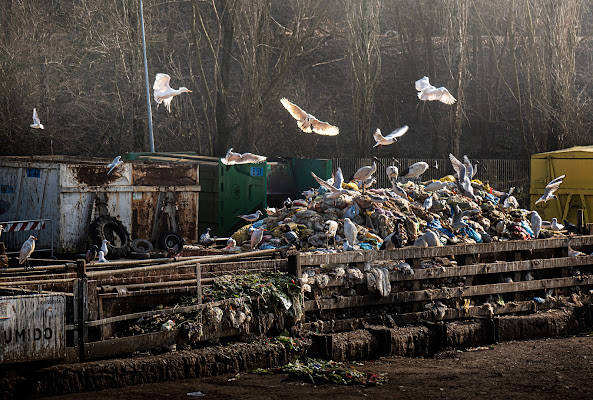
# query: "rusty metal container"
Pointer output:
{"type": "Point", "coordinates": [72, 192]}
{"type": "Point", "coordinates": [32, 328]}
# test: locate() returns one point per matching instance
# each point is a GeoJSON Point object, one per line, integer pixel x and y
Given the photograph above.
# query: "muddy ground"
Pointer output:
{"type": "Point", "coordinates": [536, 369]}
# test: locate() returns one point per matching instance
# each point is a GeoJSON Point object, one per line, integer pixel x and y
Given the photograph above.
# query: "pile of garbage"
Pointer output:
{"type": "Point", "coordinates": [432, 213]}
{"type": "Point", "coordinates": [275, 292]}
{"type": "Point", "coordinates": [317, 371]}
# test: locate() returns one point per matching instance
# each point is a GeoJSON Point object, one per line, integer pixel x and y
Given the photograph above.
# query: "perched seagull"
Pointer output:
{"type": "Point", "coordinates": [102, 258]}
{"type": "Point", "coordinates": [364, 173]}
{"type": "Point", "coordinates": [232, 158]}
{"type": "Point", "coordinates": [330, 228]}
{"type": "Point", "coordinates": [427, 203]}
{"type": "Point", "coordinates": [251, 217]}
{"type": "Point", "coordinates": [26, 251]}
{"type": "Point", "coordinates": [205, 238]}
{"type": "Point", "coordinates": [555, 225]}
{"type": "Point", "coordinates": [536, 223]}
{"type": "Point", "coordinates": [350, 232]}
{"type": "Point", "coordinates": [428, 92]}
{"type": "Point", "coordinates": [230, 244]}
{"type": "Point", "coordinates": [256, 237]}
{"type": "Point", "coordinates": [104, 247]}
{"type": "Point", "coordinates": [92, 253]}
{"type": "Point", "coordinates": [389, 139]}
{"type": "Point", "coordinates": [415, 170]}
{"type": "Point", "coordinates": [163, 93]}
{"type": "Point", "coordinates": [437, 185]}
{"type": "Point", "coordinates": [36, 123]}
{"type": "Point", "coordinates": [392, 172]}
{"type": "Point", "coordinates": [116, 161]}
{"type": "Point", "coordinates": [307, 122]}
{"type": "Point", "coordinates": [338, 179]}
{"type": "Point", "coordinates": [550, 189]}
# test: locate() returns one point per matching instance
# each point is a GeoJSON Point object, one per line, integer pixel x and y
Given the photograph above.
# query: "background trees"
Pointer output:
{"type": "Point", "coordinates": [520, 69]}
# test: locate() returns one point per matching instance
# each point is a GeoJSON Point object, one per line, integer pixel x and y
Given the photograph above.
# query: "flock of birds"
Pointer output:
{"type": "Point", "coordinates": [337, 187]}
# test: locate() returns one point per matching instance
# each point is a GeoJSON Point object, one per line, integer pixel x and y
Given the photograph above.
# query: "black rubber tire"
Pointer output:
{"type": "Point", "coordinates": [106, 227]}
{"type": "Point", "coordinates": [169, 239]}
{"type": "Point", "coordinates": [142, 255]}
{"type": "Point", "coordinates": [141, 246]}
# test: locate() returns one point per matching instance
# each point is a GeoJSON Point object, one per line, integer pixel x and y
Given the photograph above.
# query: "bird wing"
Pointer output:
{"type": "Point", "coordinates": [323, 183]}
{"type": "Point", "coordinates": [445, 97]}
{"type": "Point", "coordinates": [161, 84]}
{"type": "Point", "coordinates": [422, 84]}
{"type": "Point", "coordinates": [560, 178]}
{"type": "Point", "coordinates": [457, 165]}
{"type": "Point", "coordinates": [338, 179]}
{"type": "Point", "coordinates": [250, 158]}
{"type": "Point", "coordinates": [294, 110]}
{"type": "Point", "coordinates": [399, 132]}
{"type": "Point", "coordinates": [377, 136]}
{"type": "Point", "coordinates": [35, 117]}
{"type": "Point", "coordinates": [323, 128]}
{"type": "Point", "coordinates": [469, 168]}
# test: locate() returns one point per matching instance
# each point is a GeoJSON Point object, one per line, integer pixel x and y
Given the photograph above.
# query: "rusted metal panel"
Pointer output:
{"type": "Point", "coordinates": [33, 328]}
{"type": "Point", "coordinates": [165, 175]}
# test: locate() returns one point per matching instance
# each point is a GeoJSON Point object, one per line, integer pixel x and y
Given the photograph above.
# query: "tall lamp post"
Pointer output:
{"type": "Point", "coordinates": [148, 108]}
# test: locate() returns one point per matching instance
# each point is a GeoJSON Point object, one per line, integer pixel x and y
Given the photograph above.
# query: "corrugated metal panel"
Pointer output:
{"type": "Point", "coordinates": [33, 328]}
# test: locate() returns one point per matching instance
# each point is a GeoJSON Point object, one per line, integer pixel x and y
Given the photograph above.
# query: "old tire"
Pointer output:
{"type": "Point", "coordinates": [168, 240]}
{"type": "Point", "coordinates": [140, 255]}
{"type": "Point", "coordinates": [106, 227]}
{"type": "Point", "coordinates": [141, 246]}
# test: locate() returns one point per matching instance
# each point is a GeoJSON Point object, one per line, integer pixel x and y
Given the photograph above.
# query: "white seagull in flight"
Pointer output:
{"type": "Point", "coordinates": [36, 123]}
{"type": "Point", "coordinates": [307, 122]}
{"type": "Point", "coordinates": [550, 189]}
{"type": "Point", "coordinates": [428, 92]}
{"type": "Point", "coordinates": [389, 139]}
{"type": "Point", "coordinates": [163, 93]}
{"type": "Point", "coordinates": [116, 161]}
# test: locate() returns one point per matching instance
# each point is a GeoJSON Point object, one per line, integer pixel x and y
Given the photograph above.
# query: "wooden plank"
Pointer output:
{"type": "Point", "coordinates": [444, 293]}
{"type": "Point", "coordinates": [165, 311]}
{"type": "Point", "coordinates": [411, 252]}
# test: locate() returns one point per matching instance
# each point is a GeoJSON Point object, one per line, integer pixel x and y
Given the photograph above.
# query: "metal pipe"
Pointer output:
{"type": "Point", "coordinates": [148, 107]}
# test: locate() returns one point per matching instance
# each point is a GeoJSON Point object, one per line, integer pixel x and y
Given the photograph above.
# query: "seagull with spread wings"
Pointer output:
{"type": "Point", "coordinates": [550, 189]}
{"type": "Point", "coordinates": [307, 122]}
{"type": "Point", "coordinates": [427, 92]}
{"type": "Point", "coordinates": [163, 92]}
{"type": "Point", "coordinates": [388, 139]}
{"type": "Point", "coordinates": [36, 123]}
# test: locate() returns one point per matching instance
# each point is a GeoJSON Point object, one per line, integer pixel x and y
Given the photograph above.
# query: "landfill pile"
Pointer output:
{"type": "Point", "coordinates": [340, 216]}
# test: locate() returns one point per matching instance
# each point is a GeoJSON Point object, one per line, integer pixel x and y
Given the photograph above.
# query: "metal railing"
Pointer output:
{"type": "Point", "coordinates": [14, 234]}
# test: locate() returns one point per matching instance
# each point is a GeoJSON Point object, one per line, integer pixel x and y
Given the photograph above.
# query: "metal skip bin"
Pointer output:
{"type": "Point", "coordinates": [33, 328]}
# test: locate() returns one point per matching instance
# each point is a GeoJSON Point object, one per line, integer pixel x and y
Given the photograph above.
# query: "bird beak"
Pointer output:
{"type": "Point", "coordinates": [189, 90]}
{"type": "Point", "coordinates": [34, 238]}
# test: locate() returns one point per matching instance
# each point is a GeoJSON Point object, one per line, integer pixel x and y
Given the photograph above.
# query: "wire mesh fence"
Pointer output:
{"type": "Point", "coordinates": [500, 174]}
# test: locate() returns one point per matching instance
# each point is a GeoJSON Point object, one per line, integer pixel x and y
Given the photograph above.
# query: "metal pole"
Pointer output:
{"type": "Point", "coordinates": [151, 136]}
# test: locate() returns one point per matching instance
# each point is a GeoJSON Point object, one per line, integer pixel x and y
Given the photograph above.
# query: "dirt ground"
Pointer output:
{"type": "Point", "coordinates": [542, 369]}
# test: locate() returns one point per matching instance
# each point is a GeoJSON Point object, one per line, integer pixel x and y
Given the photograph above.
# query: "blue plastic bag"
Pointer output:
{"type": "Point", "coordinates": [471, 233]}
{"type": "Point", "coordinates": [366, 246]}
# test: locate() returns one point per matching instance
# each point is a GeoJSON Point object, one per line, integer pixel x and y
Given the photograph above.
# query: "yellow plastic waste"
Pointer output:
{"type": "Point", "coordinates": [350, 186]}
{"type": "Point", "coordinates": [448, 178]}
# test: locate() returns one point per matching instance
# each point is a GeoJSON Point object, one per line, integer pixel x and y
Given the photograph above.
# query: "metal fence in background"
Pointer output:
{"type": "Point", "coordinates": [501, 174]}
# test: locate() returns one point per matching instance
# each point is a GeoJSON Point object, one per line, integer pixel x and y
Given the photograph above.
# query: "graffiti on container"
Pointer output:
{"type": "Point", "coordinates": [27, 335]}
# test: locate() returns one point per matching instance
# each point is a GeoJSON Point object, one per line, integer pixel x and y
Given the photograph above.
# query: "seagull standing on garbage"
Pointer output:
{"type": "Point", "coordinates": [330, 228]}
{"type": "Point", "coordinates": [364, 173]}
{"type": "Point", "coordinates": [415, 170]}
{"type": "Point", "coordinates": [427, 92]}
{"type": "Point", "coordinates": [555, 225]}
{"type": "Point", "coordinates": [116, 161]}
{"type": "Point", "coordinates": [536, 223]}
{"type": "Point", "coordinates": [388, 139]}
{"type": "Point", "coordinates": [252, 217]}
{"type": "Point", "coordinates": [104, 247]}
{"type": "Point", "coordinates": [36, 123]}
{"type": "Point", "coordinates": [26, 250]}
{"type": "Point", "coordinates": [350, 232]}
{"type": "Point", "coordinates": [550, 189]}
{"type": "Point", "coordinates": [427, 203]}
{"type": "Point", "coordinates": [163, 93]}
{"type": "Point", "coordinates": [307, 122]}
{"type": "Point", "coordinates": [256, 237]}
{"type": "Point", "coordinates": [102, 258]}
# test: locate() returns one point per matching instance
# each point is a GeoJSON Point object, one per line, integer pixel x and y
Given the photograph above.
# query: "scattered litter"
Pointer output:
{"type": "Point", "coordinates": [195, 394]}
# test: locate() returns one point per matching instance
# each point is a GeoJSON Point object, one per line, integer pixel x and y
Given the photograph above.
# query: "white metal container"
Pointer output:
{"type": "Point", "coordinates": [33, 328]}
{"type": "Point", "coordinates": [73, 192]}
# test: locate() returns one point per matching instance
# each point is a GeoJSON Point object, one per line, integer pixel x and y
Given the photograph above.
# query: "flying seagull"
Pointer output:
{"type": "Point", "coordinates": [116, 161]}
{"type": "Point", "coordinates": [428, 92]}
{"type": "Point", "coordinates": [163, 93]}
{"type": "Point", "coordinates": [389, 139]}
{"type": "Point", "coordinates": [36, 123]}
{"type": "Point", "coordinates": [550, 189]}
{"type": "Point", "coordinates": [232, 158]}
{"type": "Point", "coordinates": [307, 122]}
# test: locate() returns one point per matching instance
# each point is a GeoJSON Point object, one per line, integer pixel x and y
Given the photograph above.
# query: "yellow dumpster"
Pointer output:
{"type": "Point", "coordinates": [576, 191]}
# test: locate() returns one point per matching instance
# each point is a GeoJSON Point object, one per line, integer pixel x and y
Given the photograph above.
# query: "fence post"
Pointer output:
{"type": "Point", "coordinates": [294, 264]}
{"type": "Point", "coordinates": [83, 305]}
